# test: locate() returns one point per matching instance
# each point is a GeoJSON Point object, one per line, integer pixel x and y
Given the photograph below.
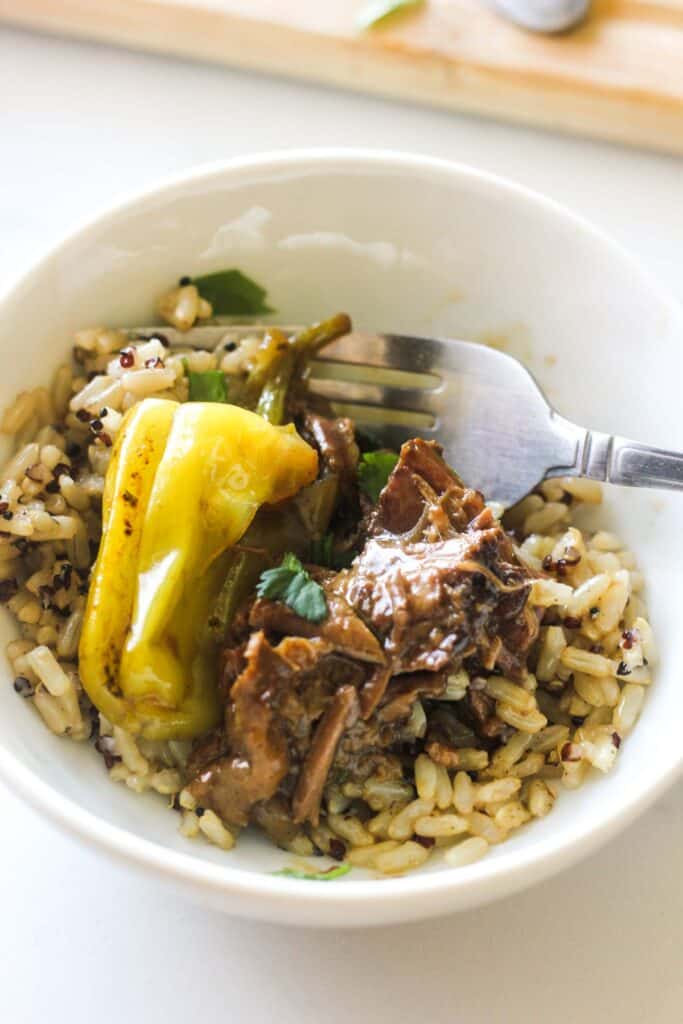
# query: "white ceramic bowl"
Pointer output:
{"type": "Point", "coordinates": [413, 245]}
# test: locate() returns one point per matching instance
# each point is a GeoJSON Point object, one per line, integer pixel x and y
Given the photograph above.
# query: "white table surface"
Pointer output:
{"type": "Point", "coordinates": [81, 940]}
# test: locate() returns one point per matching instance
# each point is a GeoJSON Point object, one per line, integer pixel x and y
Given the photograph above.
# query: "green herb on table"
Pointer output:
{"type": "Point", "coordinates": [374, 470]}
{"type": "Point", "coordinates": [316, 876]}
{"type": "Point", "coordinates": [293, 585]}
{"type": "Point", "coordinates": [375, 12]}
{"type": "Point", "coordinates": [232, 293]}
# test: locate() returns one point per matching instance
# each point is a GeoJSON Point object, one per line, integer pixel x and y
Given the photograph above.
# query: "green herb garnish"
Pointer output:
{"type": "Point", "coordinates": [374, 470]}
{"type": "Point", "coordinates": [377, 11]}
{"type": "Point", "coordinates": [324, 553]}
{"type": "Point", "coordinates": [232, 293]}
{"type": "Point", "coordinates": [208, 386]}
{"type": "Point", "coordinates": [292, 584]}
{"type": "Point", "coordinates": [316, 876]}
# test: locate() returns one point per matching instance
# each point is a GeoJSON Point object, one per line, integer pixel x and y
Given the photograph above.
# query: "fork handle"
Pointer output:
{"type": "Point", "coordinates": [617, 460]}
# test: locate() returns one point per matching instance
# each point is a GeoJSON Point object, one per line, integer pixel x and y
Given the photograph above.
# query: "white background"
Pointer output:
{"type": "Point", "coordinates": [82, 941]}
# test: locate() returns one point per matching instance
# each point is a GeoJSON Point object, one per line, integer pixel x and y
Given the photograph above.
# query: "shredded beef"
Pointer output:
{"type": "Point", "coordinates": [436, 585]}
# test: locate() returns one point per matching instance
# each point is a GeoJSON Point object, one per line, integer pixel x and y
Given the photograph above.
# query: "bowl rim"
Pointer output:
{"type": "Point", "coordinates": [274, 897]}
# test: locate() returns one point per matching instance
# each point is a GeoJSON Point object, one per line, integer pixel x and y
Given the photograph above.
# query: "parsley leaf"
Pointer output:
{"type": "Point", "coordinates": [209, 386]}
{"type": "Point", "coordinates": [374, 470]}
{"type": "Point", "coordinates": [232, 293]}
{"type": "Point", "coordinates": [338, 871]}
{"type": "Point", "coordinates": [376, 11]}
{"type": "Point", "coordinates": [292, 584]}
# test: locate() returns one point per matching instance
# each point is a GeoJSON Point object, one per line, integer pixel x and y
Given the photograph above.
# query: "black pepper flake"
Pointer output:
{"type": "Point", "coordinates": [596, 648]}
{"type": "Point", "coordinates": [578, 720]}
{"type": "Point", "coordinates": [127, 358]}
{"type": "Point", "coordinates": [547, 563]}
{"type": "Point", "coordinates": [623, 669]}
{"type": "Point", "coordinates": [155, 363]}
{"type": "Point", "coordinates": [594, 612]}
{"type": "Point", "coordinates": [616, 739]}
{"type": "Point", "coordinates": [103, 412]}
{"type": "Point", "coordinates": [83, 415]}
{"type": "Point", "coordinates": [8, 515]}
{"type": "Point", "coordinates": [199, 811]}
{"type": "Point", "coordinates": [561, 566]}
{"type": "Point", "coordinates": [96, 426]}
{"type": "Point", "coordinates": [8, 588]}
{"type": "Point", "coordinates": [184, 281]}
{"type": "Point", "coordinates": [230, 346]}
{"type": "Point", "coordinates": [337, 849]}
{"type": "Point", "coordinates": [23, 687]}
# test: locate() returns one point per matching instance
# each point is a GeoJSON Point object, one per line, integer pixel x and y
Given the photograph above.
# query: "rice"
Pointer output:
{"type": "Point", "coordinates": [565, 720]}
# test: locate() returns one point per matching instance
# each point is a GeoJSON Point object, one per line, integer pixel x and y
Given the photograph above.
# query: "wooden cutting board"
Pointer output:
{"type": "Point", "coordinates": [619, 76]}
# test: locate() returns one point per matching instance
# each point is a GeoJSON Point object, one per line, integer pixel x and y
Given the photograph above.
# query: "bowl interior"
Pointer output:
{"type": "Point", "coordinates": [401, 245]}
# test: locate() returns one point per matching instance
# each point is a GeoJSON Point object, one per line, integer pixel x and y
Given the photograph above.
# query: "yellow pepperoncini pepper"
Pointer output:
{"type": "Point", "coordinates": [183, 485]}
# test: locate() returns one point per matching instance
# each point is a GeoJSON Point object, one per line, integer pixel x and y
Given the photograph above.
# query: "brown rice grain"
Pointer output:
{"type": "Point", "coordinates": [484, 827]}
{"type": "Point", "coordinates": [539, 798]}
{"type": "Point", "coordinates": [511, 815]}
{"type": "Point", "coordinates": [530, 722]}
{"type": "Point", "coordinates": [628, 708]}
{"type": "Point", "coordinates": [128, 750]}
{"type": "Point", "coordinates": [440, 825]}
{"type": "Point", "coordinates": [444, 788]}
{"type": "Point", "coordinates": [463, 793]}
{"type": "Point", "coordinates": [351, 829]}
{"type": "Point", "coordinates": [499, 789]}
{"type": "Point", "coordinates": [402, 825]}
{"type": "Point", "coordinates": [531, 764]}
{"type": "Point", "coordinates": [215, 831]}
{"type": "Point", "coordinates": [366, 856]}
{"type": "Point", "coordinates": [425, 777]}
{"type": "Point", "coordinates": [590, 664]}
{"type": "Point", "coordinates": [466, 852]}
{"type": "Point", "coordinates": [405, 857]}
{"type": "Point", "coordinates": [589, 491]}
{"type": "Point", "coordinates": [49, 671]}
{"type": "Point", "coordinates": [50, 711]}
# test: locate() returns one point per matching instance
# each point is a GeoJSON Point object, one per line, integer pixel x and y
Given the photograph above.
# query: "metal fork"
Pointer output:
{"type": "Point", "coordinates": [483, 406]}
